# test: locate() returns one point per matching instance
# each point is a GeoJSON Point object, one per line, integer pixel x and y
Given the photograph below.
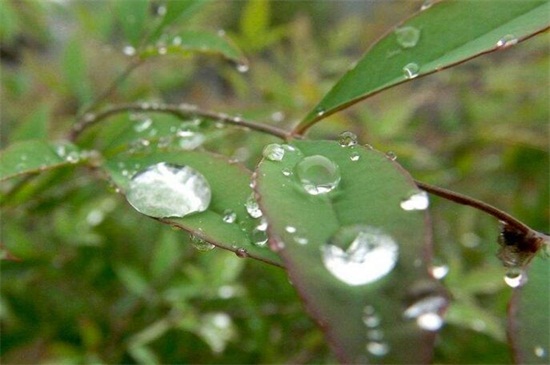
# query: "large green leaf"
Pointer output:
{"type": "Point", "coordinates": [358, 299]}
{"type": "Point", "coordinates": [229, 184]}
{"type": "Point", "coordinates": [441, 36]}
{"type": "Point", "coordinates": [528, 321]}
{"type": "Point", "coordinates": [35, 156]}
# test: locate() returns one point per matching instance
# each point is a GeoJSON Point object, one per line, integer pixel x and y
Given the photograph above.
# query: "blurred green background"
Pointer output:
{"type": "Point", "coordinates": [96, 282]}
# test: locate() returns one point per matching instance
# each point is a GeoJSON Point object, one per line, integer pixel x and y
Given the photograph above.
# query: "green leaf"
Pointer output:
{"type": "Point", "coordinates": [74, 66]}
{"type": "Point", "coordinates": [133, 18]}
{"type": "Point", "coordinates": [192, 42]}
{"type": "Point", "coordinates": [444, 35]}
{"type": "Point", "coordinates": [34, 156]}
{"type": "Point", "coordinates": [177, 11]}
{"type": "Point", "coordinates": [230, 190]}
{"type": "Point", "coordinates": [528, 323]}
{"type": "Point", "coordinates": [35, 126]}
{"type": "Point", "coordinates": [357, 299]}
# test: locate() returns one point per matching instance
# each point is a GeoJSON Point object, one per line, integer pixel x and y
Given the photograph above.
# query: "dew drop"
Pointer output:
{"type": "Point", "coordinates": [229, 216]}
{"type": "Point", "coordinates": [259, 236]}
{"type": "Point", "coordinates": [318, 174]}
{"type": "Point", "coordinates": [277, 117]}
{"type": "Point", "coordinates": [161, 10]}
{"type": "Point", "coordinates": [411, 70]}
{"type": "Point", "coordinates": [407, 36]}
{"type": "Point", "coordinates": [176, 41]}
{"type": "Point", "coordinates": [241, 252]}
{"type": "Point", "coordinates": [514, 277]}
{"type": "Point", "coordinates": [200, 244]}
{"type": "Point", "coordinates": [129, 50]}
{"type": "Point", "coordinates": [72, 157]}
{"type": "Point", "coordinates": [274, 152]}
{"type": "Point", "coordinates": [371, 320]}
{"type": "Point", "coordinates": [286, 171]}
{"type": "Point", "coordinates": [320, 112]}
{"type": "Point", "coordinates": [439, 271]}
{"type": "Point", "coordinates": [142, 125]}
{"type": "Point", "coordinates": [162, 50]}
{"type": "Point", "coordinates": [347, 139]}
{"type": "Point", "coordinates": [507, 41]}
{"type": "Point", "coordinates": [290, 229]}
{"type": "Point", "coordinates": [168, 190]}
{"type": "Point", "coordinates": [359, 255]}
{"type": "Point", "coordinates": [378, 348]}
{"type": "Point", "coordinates": [252, 207]}
{"type": "Point", "coordinates": [427, 311]}
{"type": "Point", "coordinates": [426, 5]}
{"type": "Point", "coordinates": [301, 240]}
{"type": "Point", "coordinates": [391, 155]}
{"type": "Point", "coordinates": [242, 67]}
{"type": "Point", "coordinates": [354, 156]}
{"type": "Point", "coordinates": [540, 352]}
{"type": "Point", "coordinates": [419, 200]}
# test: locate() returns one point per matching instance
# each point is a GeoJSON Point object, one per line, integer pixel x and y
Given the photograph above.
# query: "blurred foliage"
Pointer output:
{"type": "Point", "coordinates": [92, 281]}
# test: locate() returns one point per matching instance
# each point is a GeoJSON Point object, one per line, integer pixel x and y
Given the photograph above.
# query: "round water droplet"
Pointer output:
{"type": "Point", "coordinates": [507, 41]}
{"type": "Point", "coordinates": [354, 156]}
{"type": "Point", "coordinates": [73, 157]}
{"type": "Point", "coordinates": [318, 174]}
{"type": "Point", "coordinates": [540, 351]}
{"type": "Point", "coordinates": [277, 117]}
{"type": "Point", "coordinates": [418, 200]}
{"type": "Point", "coordinates": [259, 236]}
{"type": "Point", "coordinates": [391, 155]}
{"type": "Point", "coordinates": [439, 271]}
{"type": "Point", "coordinates": [229, 216]}
{"type": "Point", "coordinates": [378, 348]}
{"type": "Point", "coordinates": [347, 139]}
{"type": "Point", "coordinates": [201, 244]}
{"type": "Point", "coordinates": [411, 70]}
{"type": "Point", "coordinates": [407, 36]}
{"type": "Point", "coordinates": [129, 50]}
{"type": "Point", "coordinates": [426, 5]}
{"type": "Point", "coordinates": [430, 321]}
{"type": "Point", "coordinates": [176, 41]}
{"type": "Point", "coordinates": [274, 152]}
{"type": "Point", "coordinates": [371, 320]}
{"type": "Point", "coordinates": [290, 229]}
{"type": "Point", "coordinates": [286, 171]}
{"type": "Point", "coordinates": [162, 50]}
{"type": "Point", "coordinates": [161, 10]}
{"type": "Point", "coordinates": [320, 112]}
{"type": "Point", "coordinates": [427, 312]}
{"type": "Point", "coordinates": [241, 252]}
{"type": "Point", "coordinates": [167, 190]}
{"type": "Point", "coordinates": [242, 67]}
{"type": "Point", "coordinates": [514, 277]}
{"type": "Point", "coordinates": [252, 207]}
{"type": "Point", "coordinates": [301, 240]}
{"type": "Point", "coordinates": [359, 255]}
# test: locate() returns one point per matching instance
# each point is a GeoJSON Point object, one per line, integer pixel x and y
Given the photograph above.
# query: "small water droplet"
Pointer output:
{"type": "Point", "coordinates": [176, 41]}
{"type": "Point", "coordinates": [277, 117]}
{"type": "Point", "coordinates": [427, 311]}
{"type": "Point", "coordinates": [320, 112]}
{"type": "Point", "coordinates": [229, 216]}
{"type": "Point", "coordinates": [540, 351]}
{"type": "Point", "coordinates": [507, 41]}
{"type": "Point", "coordinates": [161, 10]}
{"type": "Point", "coordinates": [290, 229]}
{"type": "Point", "coordinates": [129, 50]}
{"type": "Point", "coordinates": [347, 139]}
{"type": "Point", "coordinates": [274, 152]}
{"type": "Point", "coordinates": [426, 5]}
{"type": "Point", "coordinates": [318, 174]}
{"type": "Point", "coordinates": [142, 125]}
{"type": "Point", "coordinates": [359, 255]}
{"type": "Point", "coordinates": [407, 36]}
{"type": "Point", "coordinates": [371, 320]}
{"type": "Point", "coordinates": [439, 271]}
{"type": "Point", "coordinates": [289, 148]}
{"type": "Point", "coordinates": [168, 190]}
{"type": "Point", "coordinates": [301, 240]}
{"type": "Point", "coordinates": [162, 50]}
{"type": "Point", "coordinates": [241, 252]}
{"type": "Point", "coordinates": [377, 348]}
{"type": "Point", "coordinates": [242, 67]}
{"type": "Point", "coordinates": [201, 244]}
{"type": "Point", "coordinates": [286, 171]}
{"type": "Point", "coordinates": [411, 70]}
{"type": "Point", "coordinates": [354, 156]}
{"type": "Point", "coordinates": [259, 236]}
{"type": "Point", "coordinates": [252, 207]}
{"type": "Point", "coordinates": [514, 277]}
{"type": "Point", "coordinates": [418, 200]}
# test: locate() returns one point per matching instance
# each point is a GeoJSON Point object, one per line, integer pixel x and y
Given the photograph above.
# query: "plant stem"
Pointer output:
{"type": "Point", "coordinates": [180, 111]}
{"type": "Point", "coordinates": [484, 207]}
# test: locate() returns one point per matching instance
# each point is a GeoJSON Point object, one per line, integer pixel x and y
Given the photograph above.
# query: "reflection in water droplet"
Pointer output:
{"type": "Point", "coordinates": [252, 207]}
{"type": "Point", "coordinates": [540, 352]}
{"type": "Point", "coordinates": [411, 70]}
{"type": "Point", "coordinates": [439, 271]}
{"type": "Point", "coordinates": [229, 216]}
{"type": "Point", "coordinates": [419, 200]}
{"type": "Point", "coordinates": [347, 139]}
{"type": "Point", "coordinates": [274, 152]}
{"type": "Point", "coordinates": [354, 156]}
{"type": "Point", "coordinates": [370, 254]}
{"type": "Point", "coordinates": [426, 311]}
{"type": "Point", "coordinates": [514, 277]}
{"type": "Point", "coordinates": [241, 252]}
{"type": "Point", "coordinates": [201, 244]}
{"type": "Point", "coordinates": [377, 348]}
{"type": "Point", "coordinates": [507, 41]}
{"type": "Point", "coordinates": [167, 190]}
{"type": "Point", "coordinates": [407, 36]}
{"type": "Point", "coordinates": [318, 174]}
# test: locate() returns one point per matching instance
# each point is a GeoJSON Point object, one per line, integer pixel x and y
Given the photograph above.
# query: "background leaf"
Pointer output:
{"type": "Point", "coordinates": [445, 34]}
{"type": "Point", "coordinates": [364, 321]}
{"type": "Point", "coordinates": [133, 17]}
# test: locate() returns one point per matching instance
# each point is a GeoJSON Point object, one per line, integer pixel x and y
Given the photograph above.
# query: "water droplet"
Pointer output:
{"type": "Point", "coordinates": [320, 112]}
{"type": "Point", "coordinates": [277, 117]}
{"type": "Point", "coordinates": [286, 171]}
{"type": "Point", "coordinates": [371, 320]}
{"type": "Point", "coordinates": [73, 157]}
{"type": "Point", "coordinates": [162, 50]}
{"type": "Point", "coordinates": [407, 36]}
{"type": "Point", "coordinates": [439, 271]}
{"type": "Point", "coordinates": [252, 207]}
{"type": "Point", "coordinates": [354, 156]}
{"type": "Point", "coordinates": [514, 277]}
{"type": "Point", "coordinates": [290, 229]}
{"type": "Point", "coordinates": [411, 70]}
{"type": "Point", "coordinates": [359, 255]}
{"type": "Point", "coordinates": [161, 10]}
{"type": "Point", "coordinates": [142, 125]}
{"type": "Point", "coordinates": [301, 240]}
{"type": "Point", "coordinates": [289, 148]}
{"type": "Point", "coordinates": [167, 190]}
{"type": "Point", "coordinates": [241, 252]}
{"type": "Point", "coordinates": [201, 244]}
{"type": "Point", "coordinates": [426, 5]}
{"type": "Point", "coordinates": [242, 67]}
{"type": "Point", "coordinates": [318, 174]}
{"type": "Point", "coordinates": [229, 216]}
{"type": "Point", "coordinates": [391, 155]}
{"type": "Point", "coordinates": [507, 41]}
{"type": "Point", "coordinates": [540, 352]}
{"type": "Point", "coordinates": [129, 50]}
{"type": "Point", "coordinates": [176, 41]}
{"type": "Point", "coordinates": [259, 236]}
{"type": "Point", "coordinates": [419, 200]}
{"type": "Point", "coordinates": [378, 348]}
{"type": "Point", "coordinates": [274, 152]}
{"type": "Point", "coordinates": [347, 139]}
{"type": "Point", "coordinates": [426, 311]}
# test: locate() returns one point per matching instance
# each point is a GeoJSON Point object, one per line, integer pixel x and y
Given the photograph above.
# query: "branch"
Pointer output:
{"type": "Point", "coordinates": [180, 111]}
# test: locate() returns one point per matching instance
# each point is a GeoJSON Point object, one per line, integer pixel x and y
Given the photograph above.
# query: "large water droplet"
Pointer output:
{"type": "Point", "coordinates": [229, 216]}
{"type": "Point", "coordinates": [507, 41]}
{"type": "Point", "coordinates": [359, 255]}
{"type": "Point", "coordinates": [514, 277]}
{"type": "Point", "coordinates": [259, 236]}
{"type": "Point", "coordinates": [201, 244]}
{"type": "Point", "coordinates": [411, 70]}
{"type": "Point", "coordinates": [347, 139]}
{"type": "Point", "coordinates": [418, 200]}
{"type": "Point", "coordinates": [274, 152]}
{"type": "Point", "coordinates": [167, 190]}
{"type": "Point", "coordinates": [407, 36]}
{"type": "Point", "coordinates": [427, 311]}
{"type": "Point", "coordinates": [318, 174]}
{"type": "Point", "coordinates": [252, 207]}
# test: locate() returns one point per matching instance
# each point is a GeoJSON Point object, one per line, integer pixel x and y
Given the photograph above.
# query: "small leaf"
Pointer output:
{"type": "Point", "coordinates": [34, 156]}
{"type": "Point", "coordinates": [353, 248]}
{"type": "Point", "coordinates": [445, 34]}
{"type": "Point", "coordinates": [229, 184]}
{"type": "Point", "coordinates": [528, 322]}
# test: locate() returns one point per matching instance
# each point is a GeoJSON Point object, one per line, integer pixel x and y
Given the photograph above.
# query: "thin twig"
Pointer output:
{"type": "Point", "coordinates": [180, 111]}
{"type": "Point", "coordinates": [487, 208]}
